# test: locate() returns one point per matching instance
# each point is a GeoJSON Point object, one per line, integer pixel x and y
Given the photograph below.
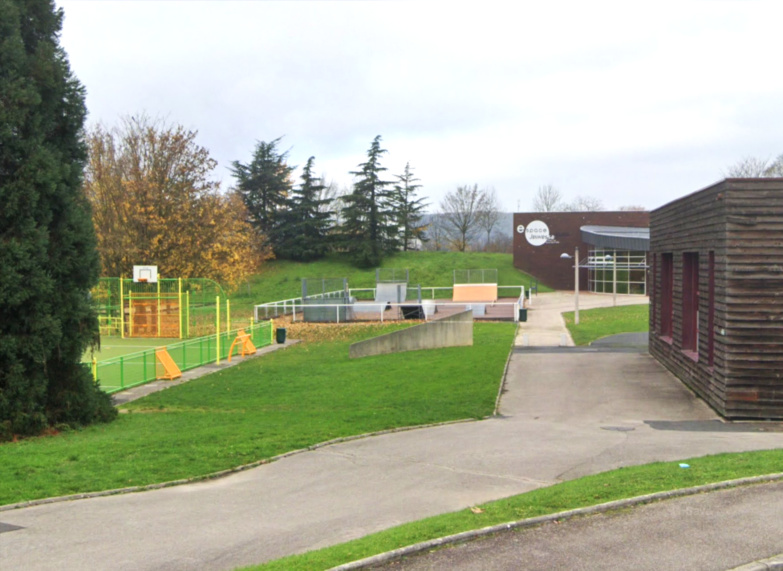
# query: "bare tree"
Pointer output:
{"type": "Point", "coordinates": [547, 199]}
{"type": "Point", "coordinates": [437, 239]}
{"type": "Point", "coordinates": [585, 204]}
{"type": "Point", "coordinates": [330, 191]}
{"type": "Point", "coordinates": [460, 212]}
{"type": "Point", "coordinates": [753, 167]}
{"type": "Point", "coordinates": [488, 213]}
{"type": "Point", "coordinates": [501, 243]}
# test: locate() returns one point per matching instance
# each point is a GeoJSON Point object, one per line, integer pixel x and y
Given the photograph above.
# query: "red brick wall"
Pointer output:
{"type": "Point", "coordinates": [544, 262]}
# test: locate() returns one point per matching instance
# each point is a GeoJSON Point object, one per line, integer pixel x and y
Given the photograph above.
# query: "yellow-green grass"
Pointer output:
{"type": "Point", "coordinates": [588, 491]}
{"type": "Point", "coordinates": [286, 400]}
{"type": "Point", "coordinates": [602, 322]}
{"type": "Point", "coordinates": [117, 346]}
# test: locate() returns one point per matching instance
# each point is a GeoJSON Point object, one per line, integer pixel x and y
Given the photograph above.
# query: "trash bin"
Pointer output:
{"type": "Point", "coordinates": [523, 314]}
{"type": "Point", "coordinates": [280, 335]}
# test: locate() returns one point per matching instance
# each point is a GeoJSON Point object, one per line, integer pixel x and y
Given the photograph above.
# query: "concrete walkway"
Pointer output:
{"type": "Point", "coordinates": [712, 532]}
{"type": "Point", "coordinates": [545, 326]}
{"type": "Point", "coordinates": [565, 413]}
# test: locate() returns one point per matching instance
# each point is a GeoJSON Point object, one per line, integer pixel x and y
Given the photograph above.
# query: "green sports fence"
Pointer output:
{"type": "Point", "coordinates": [126, 371]}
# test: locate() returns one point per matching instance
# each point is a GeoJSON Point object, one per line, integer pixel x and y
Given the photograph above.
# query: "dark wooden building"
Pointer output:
{"type": "Point", "coordinates": [540, 238]}
{"type": "Point", "coordinates": [716, 294]}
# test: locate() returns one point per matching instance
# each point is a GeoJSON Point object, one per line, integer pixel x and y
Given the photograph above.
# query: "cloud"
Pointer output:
{"type": "Point", "coordinates": [631, 102]}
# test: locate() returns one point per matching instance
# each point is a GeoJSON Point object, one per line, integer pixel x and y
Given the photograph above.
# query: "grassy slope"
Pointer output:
{"type": "Point", "coordinates": [282, 279]}
{"type": "Point", "coordinates": [284, 401]}
{"type": "Point", "coordinates": [597, 323]}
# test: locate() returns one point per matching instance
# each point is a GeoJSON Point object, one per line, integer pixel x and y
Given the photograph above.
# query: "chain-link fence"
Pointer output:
{"type": "Point", "coordinates": [475, 276]}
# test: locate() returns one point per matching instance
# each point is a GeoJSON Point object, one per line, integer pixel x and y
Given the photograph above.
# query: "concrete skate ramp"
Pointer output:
{"type": "Point", "coordinates": [475, 292]}
{"type": "Point", "coordinates": [391, 292]}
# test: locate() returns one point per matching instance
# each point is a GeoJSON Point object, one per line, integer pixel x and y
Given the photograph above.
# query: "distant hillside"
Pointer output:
{"type": "Point", "coordinates": [504, 226]}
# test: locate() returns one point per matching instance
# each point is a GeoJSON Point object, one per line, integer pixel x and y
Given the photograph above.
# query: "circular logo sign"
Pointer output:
{"type": "Point", "coordinates": [537, 233]}
{"type": "Point", "coordinates": [521, 229]}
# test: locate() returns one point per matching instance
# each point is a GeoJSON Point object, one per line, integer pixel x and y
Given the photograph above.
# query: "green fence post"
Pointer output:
{"type": "Point", "coordinates": [122, 372]}
{"type": "Point", "coordinates": [217, 329]}
{"type": "Point", "coordinates": [271, 332]}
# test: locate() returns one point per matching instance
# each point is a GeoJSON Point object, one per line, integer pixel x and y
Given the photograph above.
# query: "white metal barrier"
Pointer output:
{"type": "Point", "coordinates": [289, 306]}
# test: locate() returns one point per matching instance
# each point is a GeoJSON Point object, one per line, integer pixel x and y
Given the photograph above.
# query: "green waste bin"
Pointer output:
{"type": "Point", "coordinates": [280, 335]}
{"type": "Point", "coordinates": [523, 314]}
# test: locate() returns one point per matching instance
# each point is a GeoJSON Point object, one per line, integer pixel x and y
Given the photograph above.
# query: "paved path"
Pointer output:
{"type": "Point", "coordinates": [545, 326]}
{"type": "Point", "coordinates": [564, 414]}
{"type": "Point", "coordinates": [710, 532]}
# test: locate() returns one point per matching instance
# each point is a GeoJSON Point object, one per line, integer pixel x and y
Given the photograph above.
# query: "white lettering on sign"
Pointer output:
{"type": "Point", "coordinates": [521, 229]}
{"type": "Point", "coordinates": [537, 233]}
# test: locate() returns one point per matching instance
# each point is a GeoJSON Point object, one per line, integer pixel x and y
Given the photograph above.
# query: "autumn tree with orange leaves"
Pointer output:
{"type": "Point", "coordinates": [154, 203]}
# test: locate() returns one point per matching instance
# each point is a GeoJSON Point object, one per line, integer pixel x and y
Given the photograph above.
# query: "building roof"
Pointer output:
{"type": "Point", "coordinates": [617, 237]}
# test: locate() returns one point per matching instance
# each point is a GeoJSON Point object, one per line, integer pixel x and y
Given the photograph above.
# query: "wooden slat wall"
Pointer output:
{"type": "Point", "coordinates": [741, 220]}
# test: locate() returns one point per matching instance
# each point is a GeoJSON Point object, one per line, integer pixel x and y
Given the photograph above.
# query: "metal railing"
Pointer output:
{"type": "Point", "coordinates": [133, 369]}
{"type": "Point", "coordinates": [293, 305]}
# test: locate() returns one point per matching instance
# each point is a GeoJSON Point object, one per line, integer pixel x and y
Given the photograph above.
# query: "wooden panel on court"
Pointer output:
{"type": "Point", "coordinates": [170, 369]}
{"type": "Point", "coordinates": [475, 292]}
{"type": "Point", "coordinates": [154, 316]}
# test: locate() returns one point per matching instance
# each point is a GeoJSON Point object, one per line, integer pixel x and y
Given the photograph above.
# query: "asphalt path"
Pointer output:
{"type": "Point", "coordinates": [564, 413]}
{"type": "Point", "coordinates": [715, 531]}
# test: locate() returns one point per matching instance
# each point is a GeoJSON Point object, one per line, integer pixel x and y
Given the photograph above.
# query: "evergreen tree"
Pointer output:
{"type": "Point", "coordinates": [408, 210]}
{"type": "Point", "coordinates": [305, 225]}
{"type": "Point", "coordinates": [369, 231]}
{"type": "Point", "coordinates": [48, 257]}
{"type": "Point", "coordinates": [265, 185]}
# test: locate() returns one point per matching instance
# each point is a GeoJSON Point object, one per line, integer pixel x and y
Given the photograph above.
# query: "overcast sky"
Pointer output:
{"type": "Point", "coordinates": [635, 103]}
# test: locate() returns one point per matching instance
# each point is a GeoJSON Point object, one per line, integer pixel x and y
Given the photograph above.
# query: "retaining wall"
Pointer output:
{"type": "Point", "coordinates": [453, 331]}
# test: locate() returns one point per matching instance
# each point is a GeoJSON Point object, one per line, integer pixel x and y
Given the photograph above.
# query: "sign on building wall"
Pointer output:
{"type": "Point", "coordinates": [537, 233]}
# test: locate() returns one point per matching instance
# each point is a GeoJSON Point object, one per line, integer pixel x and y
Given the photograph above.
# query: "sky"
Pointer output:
{"type": "Point", "coordinates": [633, 103]}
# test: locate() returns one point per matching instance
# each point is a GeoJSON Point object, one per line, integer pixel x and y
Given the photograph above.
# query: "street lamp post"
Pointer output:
{"type": "Point", "coordinates": [566, 256]}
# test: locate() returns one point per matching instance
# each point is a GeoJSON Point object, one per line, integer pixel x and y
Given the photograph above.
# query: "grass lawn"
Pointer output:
{"type": "Point", "coordinates": [286, 400]}
{"type": "Point", "coordinates": [604, 321]}
{"type": "Point", "coordinates": [591, 490]}
{"type": "Point", "coordinates": [116, 346]}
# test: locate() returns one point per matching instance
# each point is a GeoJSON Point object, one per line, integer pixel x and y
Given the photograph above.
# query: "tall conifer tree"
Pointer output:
{"type": "Point", "coordinates": [265, 185]}
{"type": "Point", "coordinates": [408, 210]}
{"type": "Point", "coordinates": [48, 260]}
{"type": "Point", "coordinates": [305, 224]}
{"type": "Point", "coordinates": [369, 230]}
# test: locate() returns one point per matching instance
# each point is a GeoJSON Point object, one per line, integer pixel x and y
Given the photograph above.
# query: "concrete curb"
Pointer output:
{"type": "Point", "coordinates": [592, 510]}
{"type": "Point", "coordinates": [222, 473]}
{"type": "Point", "coordinates": [774, 563]}
{"type": "Point", "coordinates": [502, 386]}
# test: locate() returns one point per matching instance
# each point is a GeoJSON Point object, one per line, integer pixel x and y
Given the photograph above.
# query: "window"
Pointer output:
{"type": "Point", "coordinates": [630, 266]}
{"type": "Point", "coordinates": [667, 291]}
{"type": "Point", "coordinates": [690, 302]}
